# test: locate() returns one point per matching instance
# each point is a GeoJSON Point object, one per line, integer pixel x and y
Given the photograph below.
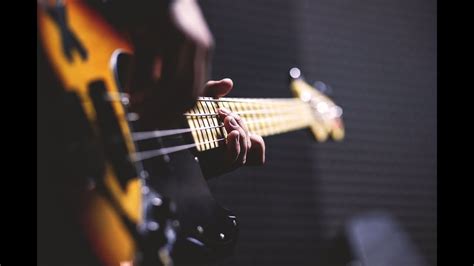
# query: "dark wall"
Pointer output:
{"type": "Point", "coordinates": [380, 59]}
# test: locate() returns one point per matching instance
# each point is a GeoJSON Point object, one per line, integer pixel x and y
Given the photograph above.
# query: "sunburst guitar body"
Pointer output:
{"type": "Point", "coordinates": [82, 50]}
{"type": "Point", "coordinates": [128, 209]}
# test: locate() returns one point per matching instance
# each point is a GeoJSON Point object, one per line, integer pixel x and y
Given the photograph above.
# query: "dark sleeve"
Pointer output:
{"type": "Point", "coordinates": [213, 162]}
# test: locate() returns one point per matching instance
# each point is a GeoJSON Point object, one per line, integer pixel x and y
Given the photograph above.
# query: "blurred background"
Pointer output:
{"type": "Point", "coordinates": [379, 57]}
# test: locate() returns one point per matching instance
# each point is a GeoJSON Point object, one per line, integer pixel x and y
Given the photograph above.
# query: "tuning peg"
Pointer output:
{"type": "Point", "coordinates": [323, 87]}
{"type": "Point", "coordinates": [294, 73]}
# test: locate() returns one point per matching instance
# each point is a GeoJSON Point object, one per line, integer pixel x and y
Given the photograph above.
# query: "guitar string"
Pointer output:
{"type": "Point", "coordinates": [137, 136]}
{"type": "Point", "coordinates": [143, 155]}
{"type": "Point", "coordinates": [156, 134]}
{"type": "Point", "coordinates": [140, 156]}
{"type": "Point", "coordinates": [144, 135]}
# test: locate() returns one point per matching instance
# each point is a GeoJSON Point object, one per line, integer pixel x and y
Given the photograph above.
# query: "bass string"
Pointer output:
{"type": "Point", "coordinates": [143, 155]}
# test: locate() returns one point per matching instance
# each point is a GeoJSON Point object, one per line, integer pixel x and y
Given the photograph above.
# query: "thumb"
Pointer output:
{"type": "Point", "coordinates": [218, 88]}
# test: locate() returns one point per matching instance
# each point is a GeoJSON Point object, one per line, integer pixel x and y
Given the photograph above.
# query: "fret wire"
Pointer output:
{"type": "Point", "coordinates": [207, 123]}
{"type": "Point", "coordinates": [212, 121]}
{"type": "Point", "coordinates": [277, 126]}
{"type": "Point", "coordinates": [196, 134]}
{"type": "Point", "coordinates": [291, 119]}
{"type": "Point", "coordinates": [278, 123]}
{"type": "Point", "coordinates": [275, 122]}
{"type": "Point", "coordinates": [238, 106]}
{"type": "Point", "coordinates": [267, 129]}
{"type": "Point", "coordinates": [223, 132]}
{"type": "Point", "coordinates": [208, 106]}
{"type": "Point", "coordinates": [249, 107]}
{"type": "Point", "coordinates": [203, 134]}
{"type": "Point", "coordinates": [256, 115]}
{"type": "Point", "coordinates": [251, 112]}
{"type": "Point", "coordinates": [269, 122]}
{"type": "Point", "coordinates": [203, 122]}
{"type": "Point", "coordinates": [248, 114]}
{"type": "Point", "coordinates": [226, 105]}
{"type": "Point", "coordinates": [264, 128]}
{"type": "Point", "coordinates": [263, 116]}
{"type": "Point", "coordinates": [263, 122]}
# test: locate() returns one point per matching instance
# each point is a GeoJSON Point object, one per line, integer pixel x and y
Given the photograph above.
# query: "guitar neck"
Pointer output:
{"type": "Point", "coordinates": [264, 117]}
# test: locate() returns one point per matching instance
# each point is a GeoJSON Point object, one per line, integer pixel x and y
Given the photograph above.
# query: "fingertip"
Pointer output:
{"type": "Point", "coordinates": [257, 152]}
{"type": "Point", "coordinates": [229, 83]}
{"type": "Point", "coordinates": [222, 87]}
{"type": "Point", "coordinates": [223, 110]}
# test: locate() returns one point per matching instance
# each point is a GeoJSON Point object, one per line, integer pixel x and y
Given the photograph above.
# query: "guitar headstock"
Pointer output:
{"type": "Point", "coordinates": [327, 116]}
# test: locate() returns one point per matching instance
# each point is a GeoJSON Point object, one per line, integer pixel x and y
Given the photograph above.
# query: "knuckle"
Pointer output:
{"type": "Point", "coordinates": [237, 117]}
{"type": "Point", "coordinates": [229, 121]}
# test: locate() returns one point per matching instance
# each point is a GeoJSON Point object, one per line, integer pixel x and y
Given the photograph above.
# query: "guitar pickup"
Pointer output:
{"type": "Point", "coordinates": [112, 137]}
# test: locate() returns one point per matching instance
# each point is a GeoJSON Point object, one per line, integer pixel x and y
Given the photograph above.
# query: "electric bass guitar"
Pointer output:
{"type": "Point", "coordinates": [150, 204]}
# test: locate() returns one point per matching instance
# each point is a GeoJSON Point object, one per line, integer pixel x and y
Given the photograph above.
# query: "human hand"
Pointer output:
{"type": "Point", "coordinates": [242, 146]}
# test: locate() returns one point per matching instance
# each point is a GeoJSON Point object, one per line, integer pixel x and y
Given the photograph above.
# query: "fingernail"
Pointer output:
{"type": "Point", "coordinates": [224, 110]}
